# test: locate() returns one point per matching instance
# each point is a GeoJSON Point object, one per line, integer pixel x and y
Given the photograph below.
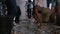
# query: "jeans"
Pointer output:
{"type": "Point", "coordinates": [12, 10]}
{"type": "Point", "coordinates": [12, 7]}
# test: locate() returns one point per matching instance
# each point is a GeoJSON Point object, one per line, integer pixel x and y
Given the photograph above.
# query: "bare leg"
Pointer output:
{"type": "Point", "coordinates": [37, 19]}
{"type": "Point", "coordinates": [54, 19]}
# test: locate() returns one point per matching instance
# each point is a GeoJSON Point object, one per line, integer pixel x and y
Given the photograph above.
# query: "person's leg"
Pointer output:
{"type": "Point", "coordinates": [18, 15]}
{"type": "Point", "coordinates": [12, 7]}
{"type": "Point", "coordinates": [12, 10]}
{"type": "Point", "coordinates": [38, 21]}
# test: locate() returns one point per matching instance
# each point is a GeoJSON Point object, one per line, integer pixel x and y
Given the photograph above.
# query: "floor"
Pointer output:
{"type": "Point", "coordinates": [27, 27]}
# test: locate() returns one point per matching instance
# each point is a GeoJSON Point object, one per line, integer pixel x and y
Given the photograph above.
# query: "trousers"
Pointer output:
{"type": "Point", "coordinates": [12, 7]}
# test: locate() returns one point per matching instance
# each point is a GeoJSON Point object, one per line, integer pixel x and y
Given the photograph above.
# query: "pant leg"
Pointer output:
{"type": "Point", "coordinates": [12, 7]}
{"type": "Point", "coordinates": [58, 21]}
{"type": "Point", "coordinates": [18, 15]}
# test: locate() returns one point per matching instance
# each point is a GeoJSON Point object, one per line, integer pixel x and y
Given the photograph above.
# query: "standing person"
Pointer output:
{"type": "Point", "coordinates": [52, 4]}
{"type": "Point", "coordinates": [58, 15]}
{"type": "Point", "coordinates": [12, 10]}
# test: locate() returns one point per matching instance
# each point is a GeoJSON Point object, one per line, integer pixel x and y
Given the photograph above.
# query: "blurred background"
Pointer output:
{"type": "Point", "coordinates": [30, 16]}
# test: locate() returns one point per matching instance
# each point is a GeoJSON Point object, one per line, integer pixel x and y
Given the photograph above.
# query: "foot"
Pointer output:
{"type": "Point", "coordinates": [42, 27]}
{"type": "Point", "coordinates": [16, 21]}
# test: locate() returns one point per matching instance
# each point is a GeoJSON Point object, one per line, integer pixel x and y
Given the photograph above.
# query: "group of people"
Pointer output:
{"type": "Point", "coordinates": [39, 13]}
